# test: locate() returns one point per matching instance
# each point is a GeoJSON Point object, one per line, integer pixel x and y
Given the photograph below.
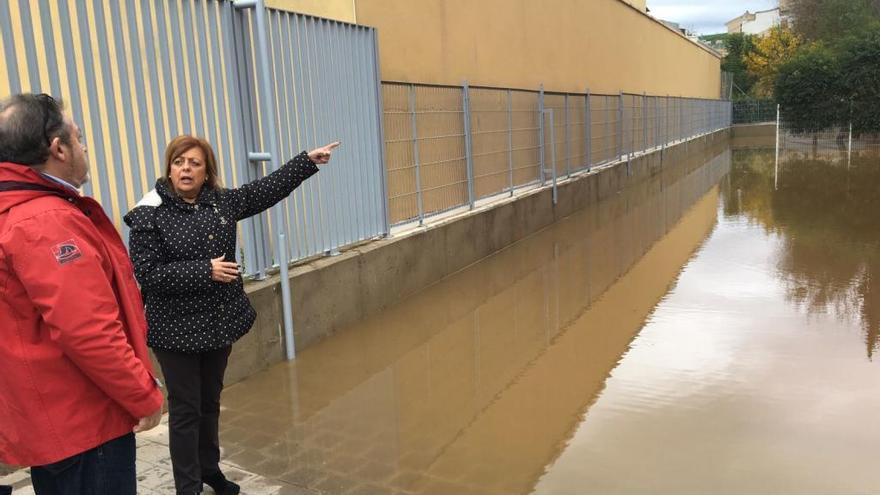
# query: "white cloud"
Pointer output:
{"type": "Point", "coordinates": [705, 16]}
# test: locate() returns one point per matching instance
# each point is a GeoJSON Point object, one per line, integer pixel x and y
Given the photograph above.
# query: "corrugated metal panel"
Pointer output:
{"type": "Point", "coordinates": [136, 73]}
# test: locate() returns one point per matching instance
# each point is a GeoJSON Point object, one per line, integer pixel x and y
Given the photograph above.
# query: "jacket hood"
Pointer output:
{"type": "Point", "coordinates": [20, 184]}
{"type": "Point", "coordinates": [163, 194]}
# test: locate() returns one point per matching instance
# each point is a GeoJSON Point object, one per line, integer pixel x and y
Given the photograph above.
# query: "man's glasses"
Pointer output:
{"type": "Point", "coordinates": [48, 103]}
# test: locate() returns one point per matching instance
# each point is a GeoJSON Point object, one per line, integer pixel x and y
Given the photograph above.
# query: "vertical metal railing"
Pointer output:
{"type": "Point", "coordinates": [135, 74]}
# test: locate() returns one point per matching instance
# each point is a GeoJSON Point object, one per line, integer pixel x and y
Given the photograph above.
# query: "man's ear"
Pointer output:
{"type": "Point", "coordinates": [57, 149]}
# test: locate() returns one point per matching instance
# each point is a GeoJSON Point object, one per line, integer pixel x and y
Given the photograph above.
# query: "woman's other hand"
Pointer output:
{"type": "Point", "coordinates": [223, 271]}
{"type": "Point", "coordinates": [322, 155]}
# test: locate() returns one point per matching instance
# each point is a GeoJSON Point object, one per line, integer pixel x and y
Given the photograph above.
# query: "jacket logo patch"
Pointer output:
{"type": "Point", "coordinates": [66, 252]}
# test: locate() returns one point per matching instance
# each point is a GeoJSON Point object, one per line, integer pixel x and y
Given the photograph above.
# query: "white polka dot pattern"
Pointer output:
{"type": "Point", "coordinates": [172, 245]}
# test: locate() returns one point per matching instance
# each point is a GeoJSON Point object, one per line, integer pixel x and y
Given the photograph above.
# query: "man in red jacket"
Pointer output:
{"type": "Point", "coordinates": [75, 377]}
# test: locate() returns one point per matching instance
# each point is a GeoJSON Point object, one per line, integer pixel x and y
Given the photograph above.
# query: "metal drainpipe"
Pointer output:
{"type": "Point", "coordinates": [272, 153]}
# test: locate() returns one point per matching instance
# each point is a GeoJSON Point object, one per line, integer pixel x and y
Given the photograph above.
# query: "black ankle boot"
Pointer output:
{"type": "Point", "coordinates": [221, 485]}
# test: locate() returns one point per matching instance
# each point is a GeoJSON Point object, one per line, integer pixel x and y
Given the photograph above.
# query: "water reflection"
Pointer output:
{"type": "Point", "coordinates": [750, 376]}
{"type": "Point", "coordinates": [474, 385]}
{"type": "Point", "coordinates": [824, 211]}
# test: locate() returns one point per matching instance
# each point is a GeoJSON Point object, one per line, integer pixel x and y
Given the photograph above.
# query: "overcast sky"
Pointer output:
{"type": "Point", "coordinates": [705, 16]}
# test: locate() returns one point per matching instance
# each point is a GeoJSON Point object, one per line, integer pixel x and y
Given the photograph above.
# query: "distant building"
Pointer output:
{"type": "Point", "coordinates": [760, 22]}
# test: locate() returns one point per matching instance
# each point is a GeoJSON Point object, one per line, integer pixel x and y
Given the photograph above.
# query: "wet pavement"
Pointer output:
{"type": "Point", "coordinates": [700, 332]}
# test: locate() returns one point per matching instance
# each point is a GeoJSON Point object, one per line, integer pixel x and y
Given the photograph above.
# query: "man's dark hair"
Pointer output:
{"type": "Point", "coordinates": [28, 124]}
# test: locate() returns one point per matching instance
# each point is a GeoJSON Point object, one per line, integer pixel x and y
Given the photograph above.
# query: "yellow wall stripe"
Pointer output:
{"type": "Point", "coordinates": [175, 107]}
{"type": "Point", "coordinates": [60, 55]}
{"type": "Point", "coordinates": [196, 30]}
{"type": "Point", "coordinates": [163, 98]}
{"type": "Point", "coordinates": [218, 146]}
{"type": "Point", "coordinates": [107, 165]}
{"type": "Point", "coordinates": [18, 36]}
{"type": "Point", "coordinates": [5, 89]}
{"type": "Point", "coordinates": [226, 90]}
{"type": "Point", "coordinates": [187, 76]}
{"type": "Point", "coordinates": [42, 65]}
{"type": "Point", "coordinates": [150, 155]}
{"type": "Point", "coordinates": [86, 117]}
{"type": "Point", "coordinates": [118, 119]}
{"type": "Point", "coordinates": [137, 111]}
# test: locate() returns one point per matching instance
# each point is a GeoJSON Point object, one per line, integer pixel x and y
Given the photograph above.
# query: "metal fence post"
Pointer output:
{"type": "Point", "coordinates": [656, 121]}
{"type": "Point", "coordinates": [645, 120]}
{"type": "Point", "coordinates": [681, 109]}
{"type": "Point", "coordinates": [541, 133]}
{"type": "Point", "coordinates": [666, 124]}
{"type": "Point", "coordinates": [552, 151]}
{"type": "Point", "coordinates": [632, 135]}
{"type": "Point", "coordinates": [466, 106]}
{"type": "Point", "coordinates": [416, 159]}
{"type": "Point", "coordinates": [776, 168]}
{"type": "Point", "coordinates": [588, 130]}
{"type": "Point", "coordinates": [620, 133]}
{"type": "Point", "coordinates": [271, 140]}
{"type": "Point", "coordinates": [380, 126]}
{"type": "Point", "coordinates": [849, 141]}
{"type": "Point", "coordinates": [566, 137]}
{"type": "Point", "coordinates": [510, 140]}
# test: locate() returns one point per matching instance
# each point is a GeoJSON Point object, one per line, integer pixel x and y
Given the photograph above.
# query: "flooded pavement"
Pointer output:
{"type": "Point", "coordinates": [699, 332]}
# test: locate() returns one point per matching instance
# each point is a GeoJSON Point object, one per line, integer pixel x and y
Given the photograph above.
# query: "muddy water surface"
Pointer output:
{"type": "Point", "coordinates": [698, 332]}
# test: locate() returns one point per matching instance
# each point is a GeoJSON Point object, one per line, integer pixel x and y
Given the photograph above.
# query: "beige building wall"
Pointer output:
{"type": "Point", "coordinates": [568, 45]}
{"type": "Point", "coordinates": [340, 10]}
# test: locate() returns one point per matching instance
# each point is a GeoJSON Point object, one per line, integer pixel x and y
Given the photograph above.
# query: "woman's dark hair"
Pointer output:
{"type": "Point", "coordinates": [28, 124]}
{"type": "Point", "coordinates": [182, 144]}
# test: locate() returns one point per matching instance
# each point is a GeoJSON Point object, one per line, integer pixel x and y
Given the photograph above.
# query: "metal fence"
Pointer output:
{"type": "Point", "coordinates": [136, 73]}
{"type": "Point", "coordinates": [837, 143]}
{"type": "Point", "coordinates": [448, 147]}
{"type": "Point", "coordinates": [754, 111]}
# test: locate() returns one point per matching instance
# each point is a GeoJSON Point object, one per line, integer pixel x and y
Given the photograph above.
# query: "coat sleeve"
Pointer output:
{"type": "Point", "coordinates": [149, 257]}
{"type": "Point", "coordinates": [57, 257]}
{"type": "Point", "coordinates": [261, 194]}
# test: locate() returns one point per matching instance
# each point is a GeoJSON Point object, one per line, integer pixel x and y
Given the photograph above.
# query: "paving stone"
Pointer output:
{"type": "Point", "coordinates": [371, 489]}
{"type": "Point", "coordinates": [155, 477]}
{"type": "Point", "coordinates": [303, 476]}
{"type": "Point", "coordinates": [376, 472]}
{"type": "Point", "coordinates": [336, 485]}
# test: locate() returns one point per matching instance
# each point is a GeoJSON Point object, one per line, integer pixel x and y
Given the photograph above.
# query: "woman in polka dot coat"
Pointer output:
{"type": "Point", "coordinates": [182, 243]}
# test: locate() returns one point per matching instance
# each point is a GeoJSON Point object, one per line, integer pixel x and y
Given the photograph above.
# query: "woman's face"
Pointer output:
{"type": "Point", "coordinates": [188, 173]}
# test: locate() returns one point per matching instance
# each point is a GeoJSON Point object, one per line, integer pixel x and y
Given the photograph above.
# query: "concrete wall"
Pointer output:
{"type": "Point", "coordinates": [753, 135]}
{"type": "Point", "coordinates": [330, 293]}
{"type": "Point", "coordinates": [568, 45]}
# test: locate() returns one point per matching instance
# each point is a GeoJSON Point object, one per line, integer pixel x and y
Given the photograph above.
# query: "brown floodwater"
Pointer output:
{"type": "Point", "coordinates": [700, 332]}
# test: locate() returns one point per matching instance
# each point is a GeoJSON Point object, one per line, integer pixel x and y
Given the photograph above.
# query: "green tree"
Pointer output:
{"type": "Point", "coordinates": [859, 56]}
{"type": "Point", "coordinates": [809, 89]}
{"type": "Point", "coordinates": [739, 46]}
{"type": "Point", "coordinates": [830, 20]}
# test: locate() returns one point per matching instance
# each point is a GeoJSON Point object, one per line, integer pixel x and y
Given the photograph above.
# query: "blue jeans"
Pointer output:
{"type": "Point", "coordinates": [107, 469]}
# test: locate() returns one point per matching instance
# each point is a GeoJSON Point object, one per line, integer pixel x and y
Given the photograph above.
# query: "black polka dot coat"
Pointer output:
{"type": "Point", "coordinates": [172, 243]}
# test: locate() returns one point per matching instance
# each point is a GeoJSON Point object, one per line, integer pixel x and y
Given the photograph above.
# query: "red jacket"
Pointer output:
{"type": "Point", "coordinates": [74, 368]}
